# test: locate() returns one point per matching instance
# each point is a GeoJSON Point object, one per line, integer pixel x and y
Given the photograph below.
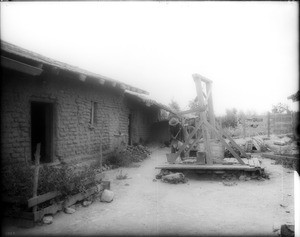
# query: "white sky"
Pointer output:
{"type": "Point", "coordinates": [248, 49]}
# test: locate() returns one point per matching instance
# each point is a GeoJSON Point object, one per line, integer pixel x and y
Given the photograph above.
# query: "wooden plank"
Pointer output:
{"type": "Point", "coordinates": [205, 167]}
{"type": "Point", "coordinates": [36, 171]}
{"type": "Point", "coordinates": [188, 140]}
{"type": "Point", "coordinates": [278, 157]}
{"type": "Point", "coordinates": [225, 143]}
{"type": "Point", "coordinates": [80, 196]}
{"type": "Point", "coordinates": [38, 215]}
{"type": "Point", "coordinates": [206, 135]}
{"type": "Point", "coordinates": [19, 66]}
{"type": "Point", "coordinates": [42, 198]}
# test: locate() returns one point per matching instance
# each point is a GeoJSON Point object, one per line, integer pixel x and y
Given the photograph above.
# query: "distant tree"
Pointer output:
{"type": "Point", "coordinates": [280, 108]}
{"type": "Point", "coordinates": [240, 116]}
{"type": "Point", "coordinates": [230, 119]}
{"type": "Point", "coordinates": [174, 105]}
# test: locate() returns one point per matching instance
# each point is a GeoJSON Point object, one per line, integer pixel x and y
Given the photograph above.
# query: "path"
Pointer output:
{"type": "Point", "coordinates": [199, 207]}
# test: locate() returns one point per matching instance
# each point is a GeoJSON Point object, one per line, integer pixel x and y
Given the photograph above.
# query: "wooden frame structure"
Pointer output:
{"type": "Point", "coordinates": [209, 129]}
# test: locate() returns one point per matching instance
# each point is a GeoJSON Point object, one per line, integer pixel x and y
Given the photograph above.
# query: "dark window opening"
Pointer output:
{"type": "Point", "coordinates": [41, 130]}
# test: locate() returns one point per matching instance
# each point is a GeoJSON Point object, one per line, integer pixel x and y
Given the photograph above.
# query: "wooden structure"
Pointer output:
{"type": "Point", "coordinates": [208, 130]}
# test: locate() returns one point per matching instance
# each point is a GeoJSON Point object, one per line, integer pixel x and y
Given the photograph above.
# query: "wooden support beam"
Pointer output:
{"type": "Point", "coordinates": [195, 110]}
{"type": "Point", "coordinates": [82, 77]}
{"type": "Point", "coordinates": [202, 78]}
{"type": "Point", "coordinates": [36, 172]}
{"type": "Point", "coordinates": [42, 198]}
{"type": "Point", "coordinates": [20, 67]}
{"type": "Point", "coordinates": [210, 110]}
{"type": "Point", "coordinates": [194, 142]}
{"type": "Point", "coordinates": [224, 142]}
{"type": "Point", "coordinates": [233, 142]}
{"type": "Point", "coordinates": [206, 135]}
{"type": "Point", "coordinates": [188, 139]}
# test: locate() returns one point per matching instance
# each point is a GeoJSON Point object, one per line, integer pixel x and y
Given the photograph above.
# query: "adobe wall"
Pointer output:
{"type": "Point", "coordinates": [73, 137]}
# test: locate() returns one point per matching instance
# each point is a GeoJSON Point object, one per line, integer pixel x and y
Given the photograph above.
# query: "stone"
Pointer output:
{"type": "Point", "coordinates": [69, 210]}
{"type": "Point", "coordinates": [107, 196]}
{"type": "Point", "coordinates": [248, 178]}
{"type": "Point", "coordinates": [86, 203]}
{"type": "Point", "coordinates": [48, 220]}
{"type": "Point", "coordinates": [242, 177]}
{"type": "Point", "coordinates": [174, 178]}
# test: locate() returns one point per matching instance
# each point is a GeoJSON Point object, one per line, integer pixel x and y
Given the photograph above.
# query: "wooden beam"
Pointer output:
{"type": "Point", "coordinates": [42, 198]}
{"type": "Point", "coordinates": [202, 78]}
{"type": "Point", "coordinates": [36, 172]}
{"type": "Point", "coordinates": [82, 77]}
{"type": "Point", "coordinates": [206, 135]}
{"type": "Point", "coordinates": [197, 109]}
{"type": "Point", "coordinates": [210, 110]}
{"type": "Point", "coordinates": [20, 67]}
{"type": "Point", "coordinates": [224, 142]}
{"type": "Point", "coordinates": [188, 140]}
{"type": "Point", "coordinates": [206, 167]}
{"type": "Point", "coordinates": [279, 157]}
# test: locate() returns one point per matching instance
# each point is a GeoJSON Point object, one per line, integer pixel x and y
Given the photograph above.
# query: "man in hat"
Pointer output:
{"type": "Point", "coordinates": [177, 137]}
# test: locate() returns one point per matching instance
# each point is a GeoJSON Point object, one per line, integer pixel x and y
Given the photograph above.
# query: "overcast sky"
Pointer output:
{"type": "Point", "coordinates": [248, 49]}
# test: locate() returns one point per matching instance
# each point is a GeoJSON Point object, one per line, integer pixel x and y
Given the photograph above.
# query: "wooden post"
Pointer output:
{"type": "Point", "coordinates": [244, 126]}
{"type": "Point", "coordinates": [211, 114]}
{"type": "Point", "coordinates": [206, 136]}
{"type": "Point", "coordinates": [268, 124]}
{"type": "Point", "coordinates": [36, 172]}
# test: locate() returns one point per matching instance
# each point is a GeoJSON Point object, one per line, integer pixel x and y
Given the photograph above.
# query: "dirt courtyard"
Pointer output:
{"type": "Point", "coordinates": [201, 206]}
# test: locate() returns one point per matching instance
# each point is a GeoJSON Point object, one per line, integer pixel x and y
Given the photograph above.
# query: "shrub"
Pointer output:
{"type": "Point", "coordinates": [18, 180]}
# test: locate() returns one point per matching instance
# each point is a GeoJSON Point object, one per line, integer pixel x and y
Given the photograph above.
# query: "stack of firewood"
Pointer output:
{"type": "Point", "coordinates": [137, 153]}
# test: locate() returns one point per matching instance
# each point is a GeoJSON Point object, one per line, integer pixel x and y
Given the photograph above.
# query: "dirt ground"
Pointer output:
{"type": "Point", "coordinates": [202, 206]}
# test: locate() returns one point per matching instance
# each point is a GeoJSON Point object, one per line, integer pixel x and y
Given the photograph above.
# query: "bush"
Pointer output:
{"type": "Point", "coordinates": [17, 180]}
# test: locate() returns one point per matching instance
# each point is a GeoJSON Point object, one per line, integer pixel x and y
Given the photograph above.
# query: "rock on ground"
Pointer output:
{"type": "Point", "coordinates": [174, 178]}
{"type": "Point", "coordinates": [86, 203]}
{"type": "Point", "coordinates": [107, 196]}
{"type": "Point", "coordinates": [69, 210]}
{"type": "Point", "coordinates": [48, 220]}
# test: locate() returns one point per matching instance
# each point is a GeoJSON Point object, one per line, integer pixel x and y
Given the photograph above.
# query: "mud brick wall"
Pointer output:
{"type": "Point", "coordinates": [74, 139]}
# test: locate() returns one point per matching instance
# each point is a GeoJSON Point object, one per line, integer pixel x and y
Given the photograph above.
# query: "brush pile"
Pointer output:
{"type": "Point", "coordinates": [137, 153]}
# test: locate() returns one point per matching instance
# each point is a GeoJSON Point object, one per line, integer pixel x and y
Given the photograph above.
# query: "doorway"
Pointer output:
{"type": "Point", "coordinates": [42, 130]}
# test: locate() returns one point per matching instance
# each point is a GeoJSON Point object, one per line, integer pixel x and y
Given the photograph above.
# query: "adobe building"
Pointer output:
{"type": "Point", "coordinates": [70, 111]}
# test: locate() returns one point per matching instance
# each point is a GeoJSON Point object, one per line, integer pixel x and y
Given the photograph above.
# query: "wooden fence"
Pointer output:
{"type": "Point", "coordinates": [267, 124]}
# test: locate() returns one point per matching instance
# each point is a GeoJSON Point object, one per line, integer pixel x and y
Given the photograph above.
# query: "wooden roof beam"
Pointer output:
{"type": "Point", "coordinates": [202, 78]}
{"type": "Point", "coordinates": [20, 67]}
